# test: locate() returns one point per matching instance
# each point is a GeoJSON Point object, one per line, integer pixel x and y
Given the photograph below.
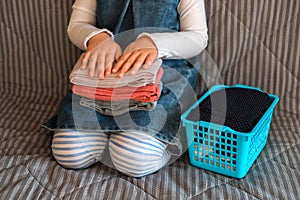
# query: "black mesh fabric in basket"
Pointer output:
{"type": "Point", "coordinates": [237, 108]}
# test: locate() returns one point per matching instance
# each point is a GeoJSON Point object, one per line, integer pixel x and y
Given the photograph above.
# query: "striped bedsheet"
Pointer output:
{"type": "Point", "coordinates": [251, 42]}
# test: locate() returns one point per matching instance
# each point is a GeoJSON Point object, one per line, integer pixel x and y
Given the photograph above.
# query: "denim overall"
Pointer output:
{"type": "Point", "coordinates": [127, 21]}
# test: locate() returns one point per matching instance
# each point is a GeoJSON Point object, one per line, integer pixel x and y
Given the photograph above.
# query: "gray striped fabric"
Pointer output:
{"type": "Point", "coordinates": [250, 42]}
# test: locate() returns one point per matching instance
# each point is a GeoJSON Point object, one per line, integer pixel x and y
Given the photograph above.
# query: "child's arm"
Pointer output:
{"type": "Point", "coordinates": [188, 42]}
{"type": "Point", "coordinates": [101, 49]}
{"type": "Point", "coordinates": [82, 24]}
{"type": "Point", "coordinates": [192, 37]}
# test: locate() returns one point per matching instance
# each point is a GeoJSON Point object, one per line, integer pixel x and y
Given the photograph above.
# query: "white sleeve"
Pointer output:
{"type": "Point", "coordinates": [190, 41]}
{"type": "Point", "coordinates": [192, 37]}
{"type": "Point", "coordinates": [82, 25]}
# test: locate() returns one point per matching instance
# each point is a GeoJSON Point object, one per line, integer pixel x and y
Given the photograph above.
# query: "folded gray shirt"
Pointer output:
{"type": "Point", "coordinates": [141, 78]}
{"type": "Point", "coordinates": [114, 108]}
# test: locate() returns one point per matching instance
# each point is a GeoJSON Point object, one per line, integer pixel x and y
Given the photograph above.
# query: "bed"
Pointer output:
{"type": "Point", "coordinates": [251, 42]}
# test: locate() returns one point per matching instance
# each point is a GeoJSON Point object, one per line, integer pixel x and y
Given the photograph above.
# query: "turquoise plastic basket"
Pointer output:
{"type": "Point", "coordinates": [221, 149]}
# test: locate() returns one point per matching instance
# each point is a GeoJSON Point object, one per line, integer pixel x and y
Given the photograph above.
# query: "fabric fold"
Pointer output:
{"type": "Point", "coordinates": [142, 78]}
{"type": "Point", "coordinates": [113, 108]}
{"type": "Point", "coordinates": [148, 93]}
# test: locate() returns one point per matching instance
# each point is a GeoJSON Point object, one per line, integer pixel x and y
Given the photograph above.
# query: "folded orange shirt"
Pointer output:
{"type": "Point", "coordinates": [148, 93]}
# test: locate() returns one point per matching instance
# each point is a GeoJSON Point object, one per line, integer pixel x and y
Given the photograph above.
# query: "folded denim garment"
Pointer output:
{"type": "Point", "coordinates": [113, 108]}
{"type": "Point", "coordinates": [141, 78]}
{"type": "Point", "coordinates": [148, 93]}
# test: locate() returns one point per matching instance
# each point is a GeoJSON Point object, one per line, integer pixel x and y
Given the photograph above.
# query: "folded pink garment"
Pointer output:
{"type": "Point", "coordinates": [148, 93]}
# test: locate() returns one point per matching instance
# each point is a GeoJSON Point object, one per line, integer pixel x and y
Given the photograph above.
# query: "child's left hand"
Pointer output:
{"type": "Point", "coordinates": [140, 53]}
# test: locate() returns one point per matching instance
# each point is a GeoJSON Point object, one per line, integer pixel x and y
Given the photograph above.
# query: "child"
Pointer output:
{"type": "Point", "coordinates": [139, 142]}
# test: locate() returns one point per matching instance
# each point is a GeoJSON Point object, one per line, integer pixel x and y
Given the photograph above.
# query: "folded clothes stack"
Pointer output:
{"type": "Point", "coordinates": [113, 95]}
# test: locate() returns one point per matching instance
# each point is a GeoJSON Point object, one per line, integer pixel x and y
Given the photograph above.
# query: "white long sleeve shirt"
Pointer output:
{"type": "Point", "coordinates": [189, 41]}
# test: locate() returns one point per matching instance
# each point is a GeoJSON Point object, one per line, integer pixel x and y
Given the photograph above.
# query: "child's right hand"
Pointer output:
{"type": "Point", "coordinates": [101, 53]}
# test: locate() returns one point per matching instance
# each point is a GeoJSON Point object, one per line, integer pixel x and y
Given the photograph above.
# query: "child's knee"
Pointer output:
{"type": "Point", "coordinates": [137, 155]}
{"type": "Point", "coordinates": [77, 150]}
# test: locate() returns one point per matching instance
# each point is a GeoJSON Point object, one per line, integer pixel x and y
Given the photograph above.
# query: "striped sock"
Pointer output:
{"type": "Point", "coordinates": [78, 150]}
{"type": "Point", "coordinates": [137, 154]}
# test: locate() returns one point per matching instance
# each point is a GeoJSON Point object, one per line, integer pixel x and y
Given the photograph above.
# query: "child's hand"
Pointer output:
{"type": "Point", "coordinates": [141, 52]}
{"type": "Point", "coordinates": [101, 53]}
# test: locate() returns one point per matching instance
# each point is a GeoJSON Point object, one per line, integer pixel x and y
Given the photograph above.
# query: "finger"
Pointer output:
{"type": "Point", "coordinates": [85, 59]}
{"type": "Point", "coordinates": [122, 59]}
{"type": "Point", "coordinates": [92, 64]}
{"type": "Point", "coordinates": [101, 66]}
{"type": "Point", "coordinates": [128, 64]}
{"type": "Point", "coordinates": [108, 69]}
{"type": "Point", "coordinates": [108, 64]}
{"type": "Point", "coordinates": [149, 60]}
{"type": "Point", "coordinates": [140, 60]}
{"type": "Point", "coordinates": [118, 53]}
